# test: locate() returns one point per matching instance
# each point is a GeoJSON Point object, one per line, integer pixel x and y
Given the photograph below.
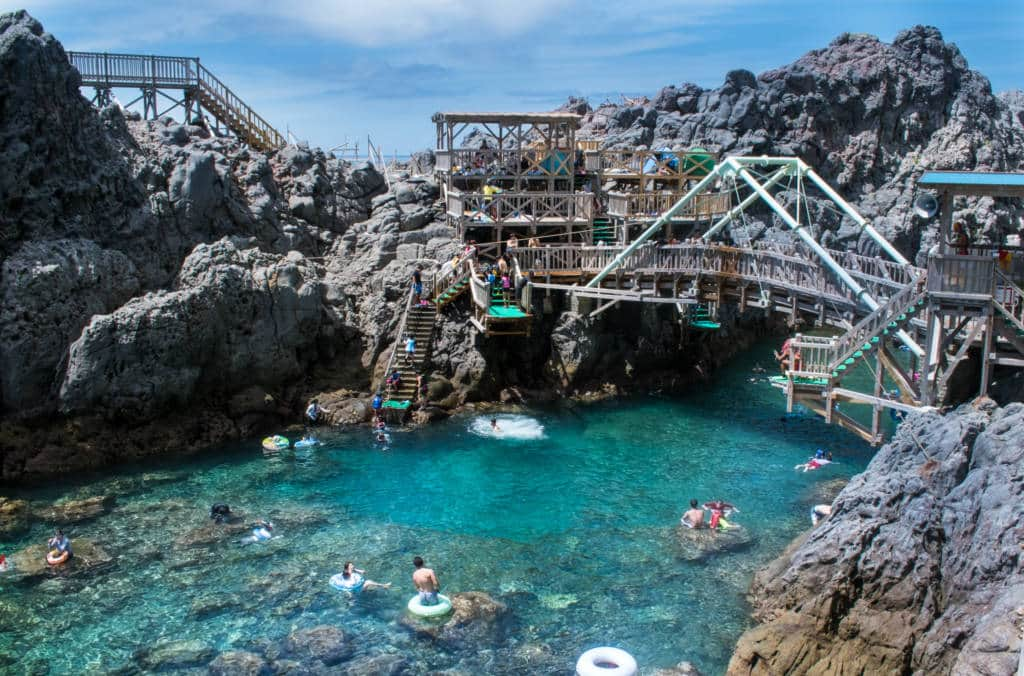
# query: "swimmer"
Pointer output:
{"type": "Point", "coordinates": [261, 530]}
{"type": "Point", "coordinates": [693, 517]}
{"type": "Point", "coordinates": [356, 579]}
{"type": "Point", "coordinates": [220, 513]}
{"type": "Point", "coordinates": [3, 564]}
{"type": "Point", "coordinates": [820, 513]}
{"type": "Point", "coordinates": [494, 425]}
{"type": "Point", "coordinates": [820, 459]}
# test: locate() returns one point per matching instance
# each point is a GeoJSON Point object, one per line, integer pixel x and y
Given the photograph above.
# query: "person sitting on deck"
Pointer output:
{"type": "Point", "coordinates": [512, 243]}
{"type": "Point", "coordinates": [533, 243]}
{"type": "Point", "coordinates": [694, 516]}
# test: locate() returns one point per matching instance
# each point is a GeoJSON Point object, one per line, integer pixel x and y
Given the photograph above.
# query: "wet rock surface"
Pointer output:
{"type": "Point", "coordinates": [15, 516]}
{"type": "Point", "coordinates": [696, 544]}
{"type": "Point", "coordinates": [30, 563]}
{"type": "Point", "coordinates": [918, 569]}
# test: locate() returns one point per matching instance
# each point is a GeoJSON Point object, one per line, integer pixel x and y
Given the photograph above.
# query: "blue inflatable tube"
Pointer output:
{"type": "Point", "coordinates": [352, 584]}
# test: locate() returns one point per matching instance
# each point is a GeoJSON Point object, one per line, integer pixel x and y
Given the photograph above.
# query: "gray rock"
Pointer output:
{"type": "Point", "coordinates": [15, 517]}
{"type": "Point", "coordinates": [916, 570]}
{"type": "Point", "coordinates": [76, 511]}
{"type": "Point", "coordinates": [174, 654]}
{"type": "Point", "coordinates": [325, 645]}
{"type": "Point", "coordinates": [239, 663]}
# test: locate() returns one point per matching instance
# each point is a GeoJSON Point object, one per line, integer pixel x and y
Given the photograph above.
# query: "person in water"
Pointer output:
{"type": "Point", "coordinates": [426, 583]}
{"type": "Point", "coordinates": [261, 530]}
{"type": "Point", "coordinates": [820, 459]}
{"type": "Point", "coordinates": [377, 403]}
{"type": "Point", "coordinates": [220, 513]}
{"type": "Point", "coordinates": [352, 575]}
{"type": "Point", "coordinates": [694, 516]}
{"type": "Point", "coordinates": [60, 543]}
{"type": "Point", "coordinates": [3, 564]}
{"type": "Point", "coordinates": [494, 425]}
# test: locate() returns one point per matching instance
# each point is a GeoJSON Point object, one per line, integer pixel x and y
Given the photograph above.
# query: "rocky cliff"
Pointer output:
{"type": "Point", "coordinates": [163, 288]}
{"type": "Point", "coordinates": [919, 569]}
{"type": "Point", "coordinates": [867, 115]}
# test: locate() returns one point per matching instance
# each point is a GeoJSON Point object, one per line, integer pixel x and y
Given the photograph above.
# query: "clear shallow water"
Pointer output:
{"type": "Point", "coordinates": [569, 517]}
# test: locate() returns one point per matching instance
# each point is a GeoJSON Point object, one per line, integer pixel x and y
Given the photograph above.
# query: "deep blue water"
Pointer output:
{"type": "Point", "coordinates": [575, 530]}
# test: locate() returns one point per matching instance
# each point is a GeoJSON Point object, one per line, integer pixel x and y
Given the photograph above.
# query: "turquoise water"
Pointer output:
{"type": "Point", "coordinates": [574, 530]}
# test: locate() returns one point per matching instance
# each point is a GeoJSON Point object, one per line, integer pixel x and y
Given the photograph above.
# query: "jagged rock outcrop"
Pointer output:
{"type": "Point", "coordinates": [869, 116]}
{"type": "Point", "coordinates": [238, 317]}
{"type": "Point", "coordinates": [918, 569]}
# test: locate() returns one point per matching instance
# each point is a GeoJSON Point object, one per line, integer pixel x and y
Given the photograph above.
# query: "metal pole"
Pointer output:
{"type": "Point", "coordinates": [852, 213]}
{"type": "Point", "coordinates": [859, 291]}
{"type": "Point", "coordinates": [750, 199]}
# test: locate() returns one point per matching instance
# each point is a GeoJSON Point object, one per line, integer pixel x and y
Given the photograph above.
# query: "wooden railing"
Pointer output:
{"type": "Point", "coordinates": [649, 205]}
{"type": "Point", "coordinates": [814, 356]}
{"type": "Point", "coordinates": [524, 208]}
{"type": "Point", "coordinates": [135, 70]}
{"type": "Point", "coordinates": [178, 72]}
{"type": "Point", "coordinates": [959, 275]}
{"type": "Point", "coordinates": [1009, 300]}
{"type": "Point", "coordinates": [762, 266]}
{"type": "Point", "coordinates": [479, 289]}
{"type": "Point", "coordinates": [539, 162]}
{"type": "Point", "coordinates": [875, 323]}
{"type": "Point", "coordinates": [673, 165]}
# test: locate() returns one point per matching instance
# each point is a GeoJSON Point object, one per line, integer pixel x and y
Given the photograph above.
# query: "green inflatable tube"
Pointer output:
{"type": "Point", "coordinates": [442, 607]}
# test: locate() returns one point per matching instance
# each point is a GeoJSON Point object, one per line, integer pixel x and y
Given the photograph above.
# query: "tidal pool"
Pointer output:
{"type": "Point", "coordinates": [568, 516]}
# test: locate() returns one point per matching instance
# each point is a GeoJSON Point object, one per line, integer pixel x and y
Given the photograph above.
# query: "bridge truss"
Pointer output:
{"type": "Point", "coordinates": [910, 328]}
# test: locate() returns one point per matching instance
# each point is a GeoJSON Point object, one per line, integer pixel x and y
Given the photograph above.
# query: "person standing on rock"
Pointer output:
{"type": "Point", "coordinates": [426, 583]}
{"type": "Point", "coordinates": [417, 284]}
{"type": "Point", "coordinates": [314, 411]}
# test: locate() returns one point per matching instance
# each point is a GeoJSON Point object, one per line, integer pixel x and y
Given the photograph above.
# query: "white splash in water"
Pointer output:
{"type": "Point", "coordinates": [520, 427]}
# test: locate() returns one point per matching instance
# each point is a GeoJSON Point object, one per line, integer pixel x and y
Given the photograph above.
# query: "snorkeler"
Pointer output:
{"type": "Point", "coordinates": [820, 459]}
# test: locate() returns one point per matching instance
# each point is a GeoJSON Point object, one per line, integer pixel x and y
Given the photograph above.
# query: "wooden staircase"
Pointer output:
{"type": "Point", "coordinates": [235, 114]}
{"type": "Point", "coordinates": [454, 290]}
{"type": "Point", "coordinates": [419, 324]}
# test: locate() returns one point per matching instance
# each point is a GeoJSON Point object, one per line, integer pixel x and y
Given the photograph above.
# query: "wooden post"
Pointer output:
{"type": "Point", "coordinates": [876, 410]}
{"type": "Point", "coordinates": [986, 354]}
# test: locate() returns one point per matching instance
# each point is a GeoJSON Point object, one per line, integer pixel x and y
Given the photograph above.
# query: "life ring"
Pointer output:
{"type": "Point", "coordinates": [55, 558]}
{"type": "Point", "coordinates": [353, 584]}
{"type": "Point", "coordinates": [276, 443]}
{"type": "Point", "coordinates": [307, 443]}
{"type": "Point", "coordinates": [606, 661]}
{"type": "Point", "coordinates": [442, 607]}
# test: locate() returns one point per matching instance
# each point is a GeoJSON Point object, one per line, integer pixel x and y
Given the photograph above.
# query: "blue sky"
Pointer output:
{"type": "Point", "coordinates": [332, 71]}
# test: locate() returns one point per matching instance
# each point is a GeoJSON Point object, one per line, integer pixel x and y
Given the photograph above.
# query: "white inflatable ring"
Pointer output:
{"type": "Point", "coordinates": [442, 607]}
{"type": "Point", "coordinates": [353, 584]}
{"type": "Point", "coordinates": [606, 661]}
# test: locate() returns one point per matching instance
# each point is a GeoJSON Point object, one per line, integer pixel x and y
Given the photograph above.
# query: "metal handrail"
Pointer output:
{"type": "Point", "coordinates": [394, 350]}
{"type": "Point", "coordinates": [1008, 299]}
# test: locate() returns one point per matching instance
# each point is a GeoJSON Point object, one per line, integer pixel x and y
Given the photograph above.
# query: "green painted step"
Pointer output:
{"type": "Point", "coordinates": [849, 361]}
{"type": "Point", "coordinates": [858, 354]}
{"type": "Point", "coordinates": [874, 339]}
{"type": "Point", "coordinates": [841, 367]}
{"type": "Point", "coordinates": [865, 347]}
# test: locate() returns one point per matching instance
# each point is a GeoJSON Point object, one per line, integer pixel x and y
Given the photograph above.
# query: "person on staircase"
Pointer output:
{"type": "Point", "coordinates": [417, 284]}
{"type": "Point", "coordinates": [506, 288]}
{"type": "Point", "coordinates": [410, 349]}
{"type": "Point", "coordinates": [502, 265]}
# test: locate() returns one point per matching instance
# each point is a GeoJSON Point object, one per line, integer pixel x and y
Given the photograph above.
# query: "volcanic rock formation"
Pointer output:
{"type": "Point", "coordinates": [918, 569]}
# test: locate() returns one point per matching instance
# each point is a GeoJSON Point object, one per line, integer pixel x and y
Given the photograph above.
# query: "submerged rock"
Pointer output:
{"type": "Point", "coordinates": [166, 655]}
{"type": "Point", "coordinates": [325, 645]}
{"type": "Point", "coordinates": [14, 517]}
{"type": "Point", "coordinates": [918, 567]}
{"type": "Point", "coordinates": [76, 511]}
{"type": "Point", "coordinates": [30, 563]}
{"type": "Point", "coordinates": [696, 544]}
{"type": "Point", "coordinates": [239, 663]}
